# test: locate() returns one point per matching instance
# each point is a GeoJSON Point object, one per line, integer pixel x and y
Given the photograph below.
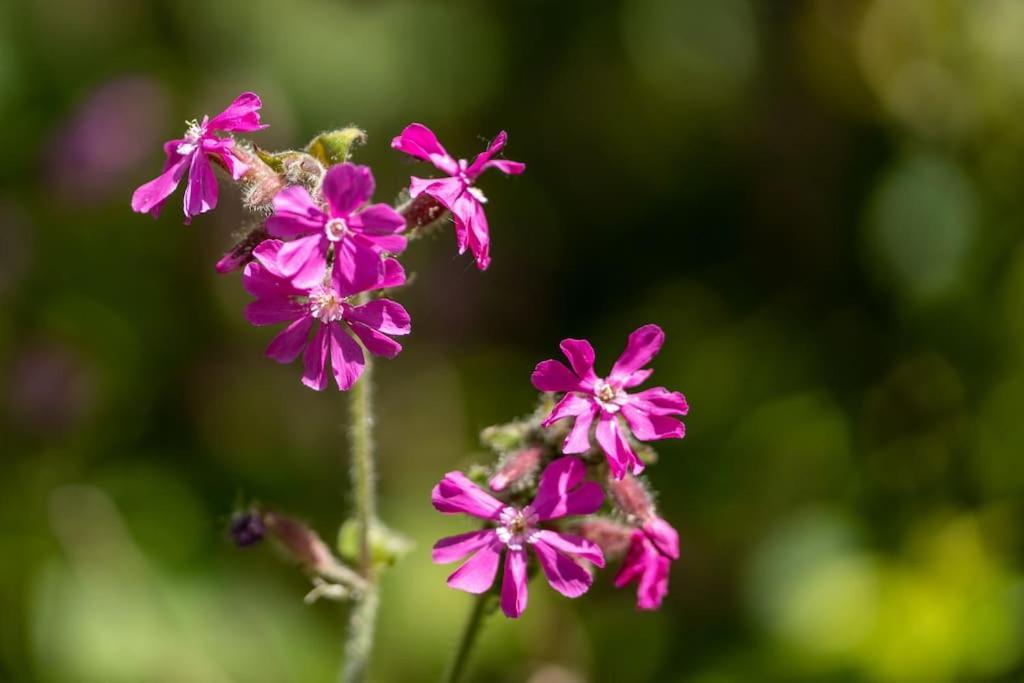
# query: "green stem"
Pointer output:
{"type": "Point", "coordinates": [456, 668]}
{"type": "Point", "coordinates": [364, 614]}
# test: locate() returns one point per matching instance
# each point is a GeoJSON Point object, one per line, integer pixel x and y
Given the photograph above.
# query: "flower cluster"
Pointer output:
{"type": "Point", "coordinates": [325, 254]}
{"type": "Point", "coordinates": [573, 481]}
{"type": "Point", "coordinates": [320, 258]}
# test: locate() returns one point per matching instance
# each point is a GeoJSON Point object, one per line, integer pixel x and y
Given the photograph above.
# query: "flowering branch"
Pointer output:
{"type": "Point", "coordinates": [320, 259]}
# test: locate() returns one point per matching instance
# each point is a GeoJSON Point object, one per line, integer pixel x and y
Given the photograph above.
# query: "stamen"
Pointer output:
{"type": "Point", "coordinates": [326, 305]}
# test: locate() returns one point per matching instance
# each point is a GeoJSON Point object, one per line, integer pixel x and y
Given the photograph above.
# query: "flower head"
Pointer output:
{"type": "Point", "coordinates": [589, 397]}
{"type": "Point", "coordinates": [328, 307]}
{"type": "Point", "coordinates": [192, 153]}
{"type": "Point", "coordinates": [457, 192]}
{"type": "Point", "coordinates": [359, 232]}
{"type": "Point", "coordinates": [651, 550]}
{"type": "Point", "coordinates": [512, 530]}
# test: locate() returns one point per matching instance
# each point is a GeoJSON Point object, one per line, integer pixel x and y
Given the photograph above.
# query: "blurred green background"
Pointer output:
{"type": "Point", "coordinates": [819, 201]}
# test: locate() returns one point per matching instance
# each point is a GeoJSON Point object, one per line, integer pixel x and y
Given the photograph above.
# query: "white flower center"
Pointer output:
{"type": "Point", "coordinates": [608, 397]}
{"type": "Point", "coordinates": [517, 527]}
{"type": "Point", "coordinates": [326, 306]}
{"type": "Point", "coordinates": [336, 229]}
{"type": "Point", "coordinates": [192, 135]}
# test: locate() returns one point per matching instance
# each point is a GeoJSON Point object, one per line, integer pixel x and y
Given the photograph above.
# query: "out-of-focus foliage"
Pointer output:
{"type": "Point", "coordinates": [819, 200]}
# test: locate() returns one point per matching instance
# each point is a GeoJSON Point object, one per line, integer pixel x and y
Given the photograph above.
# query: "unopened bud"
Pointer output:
{"type": "Point", "coordinates": [300, 542]}
{"type": "Point", "coordinates": [632, 497]}
{"type": "Point", "coordinates": [303, 169]}
{"type": "Point", "coordinates": [504, 437]}
{"type": "Point", "coordinates": [515, 467]}
{"type": "Point", "coordinates": [246, 528]}
{"type": "Point", "coordinates": [335, 146]}
{"type": "Point", "coordinates": [613, 538]}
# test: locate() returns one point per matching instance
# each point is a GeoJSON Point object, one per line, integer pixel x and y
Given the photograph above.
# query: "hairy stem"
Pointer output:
{"type": "Point", "coordinates": [360, 636]}
{"type": "Point", "coordinates": [364, 613]}
{"type": "Point", "coordinates": [457, 666]}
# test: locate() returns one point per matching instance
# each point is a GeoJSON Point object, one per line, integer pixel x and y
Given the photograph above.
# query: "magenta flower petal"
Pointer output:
{"type": "Point", "coordinates": [477, 574]}
{"type": "Point", "coordinates": [287, 345]}
{"type": "Point", "coordinates": [578, 439]}
{"type": "Point", "coordinates": [376, 343]}
{"type": "Point", "coordinates": [497, 144]}
{"type": "Point", "coordinates": [581, 357]}
{"type": "Point", "coordinates": [562, 491]}
{"type": "Point", "coordinates": [150, 198]}
{"type": "Point", "coordinates": [201, 188]}
{"type": "Point", "coordinates": [647, 427]}
{"type": "Point", "coordinates": [454, 548]}
{"type": "Point", "coordinates": [314, 361]}
{"type": "Point", "coordinates": [514, 584]}
{"type": "Point", "coordinates": [661, 401]}
{"type": "Point", "coordinates": [419, 141]}
{"type": "Point", "coordinates": [552, 375]}
{"type": "Point", "coordinates": [382, 314]}
{"type": "Point", "coordinates": [347, 360]}
{"type": "Point", "coordinates": [649, 568]}
{"type": "Point", "coordinates": [479, 235]}
{"type": "Point", "coordinates": [620, 455]}
{"type": "Point", "coordinates": [355, 269]}
{"type": "Point", "coordinates": [456, 493]}
{"type": "Point", "coordinates": [304, 260]}
{"type": "Point", "coordinates": [636, 379]}
{"type": "Point", "coordinates": [643, 344]}
{"type": "Point", "coordinates": [394, 274]}
{"type": "Point", "coordinates": [266, 254]}
{"type": "Point", "coordinates": [242, 115]}
{"type": "Point", "coordinates": [664, 537]}
{"type": "Point", "coordinates": [571, 405]}
{"type": "Point", "coordinates": [261, 283]}
{"type": "Point", "coordinates": [347, 187]}
{"type": "Point", "coordinates": [567, 544]}
{"type": "Point", "coordinates": [505, 166]}
{"type": "Point", "coordinates": [271, 311]}
{"type": "Point", "coordinates": [377, 219]}
{"type": "Point", "coordinates": [295, 214]}
{"type": "Point", "coordinates": [563, 573]}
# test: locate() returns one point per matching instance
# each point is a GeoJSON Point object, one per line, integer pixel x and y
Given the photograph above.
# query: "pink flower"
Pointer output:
{"type": "Point", "coordinates": [327, 303]}
{"type": "Point", "coordinates": [561, 492]}
{"type": "Point", "coordinates": [457, 192]}
{"type": "Point", "coordinates": [358, 232]}
{"type": "Point", "coordinates": [587, 397]}
{"type": "Point", "coordinates": [652, 549]}
{"type": "Point", "coordinates": [193, 152]}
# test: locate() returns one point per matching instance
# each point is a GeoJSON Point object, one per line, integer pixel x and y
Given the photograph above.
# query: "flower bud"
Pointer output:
{"type": "Point", "coordinates": [515, 467]}
{"type": "Point", "coordinates": [335, 147]}
{"type": "Point", "coordinates": [300, 542]}
{"type": "Point", "coordinates": [613, 538]}
{"type": "Point", "coordinates": [632, 497]}
{"type": "Point", "coordinates": [246, 528]}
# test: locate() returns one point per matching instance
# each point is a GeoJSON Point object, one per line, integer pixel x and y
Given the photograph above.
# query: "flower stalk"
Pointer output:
{"type": "Point", "coordinates": [364, 615]}
{"type": "Point", "coordinates": [474, 623]}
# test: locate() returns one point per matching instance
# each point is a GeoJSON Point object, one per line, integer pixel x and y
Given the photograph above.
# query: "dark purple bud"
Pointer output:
{"type": "Point", "coordinates": [247, 528]}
